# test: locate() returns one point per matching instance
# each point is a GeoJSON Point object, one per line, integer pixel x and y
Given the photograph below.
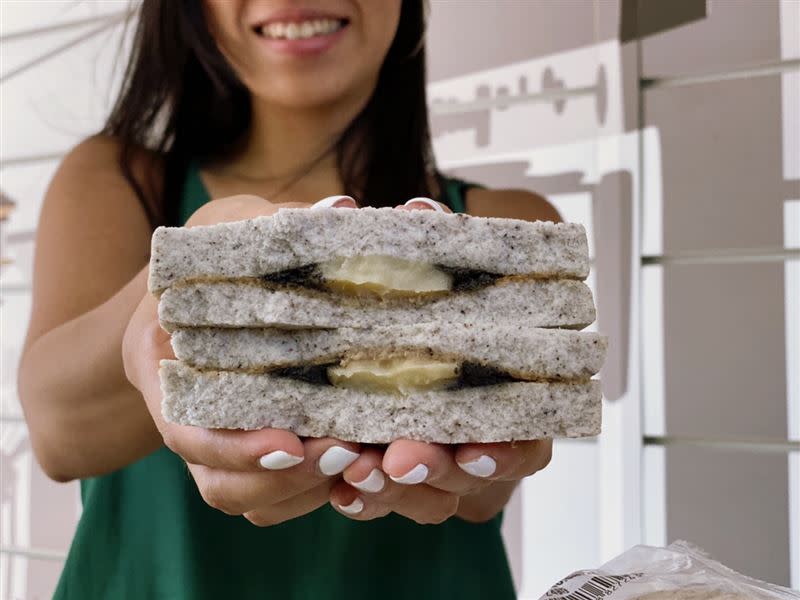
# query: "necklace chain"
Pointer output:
{"type": "Point", "coordinates": [294, 177]}
{"type": "Point", "coordinates": [301, 173]}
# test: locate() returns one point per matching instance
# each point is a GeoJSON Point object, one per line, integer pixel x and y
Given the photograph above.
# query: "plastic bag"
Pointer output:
{"type": "Point", "coordinates": [680, 571]}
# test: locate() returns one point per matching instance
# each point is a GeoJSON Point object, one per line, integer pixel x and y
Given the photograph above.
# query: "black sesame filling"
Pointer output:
{"type": "Point", "coordinates": [467, 280]}
{"type": "Point", "coordinates": [309, 276]}
{"type": "Point", "coordinates": [469, 375]}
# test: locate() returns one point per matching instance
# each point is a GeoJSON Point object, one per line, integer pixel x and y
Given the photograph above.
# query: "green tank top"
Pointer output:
{"type": "Point", "coordinates": [145, 533]}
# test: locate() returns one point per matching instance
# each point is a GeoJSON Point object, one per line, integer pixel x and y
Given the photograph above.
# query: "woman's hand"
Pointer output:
{"type": "Point", "coordinates": [270, 475]}
{"type": "Point", "coordinates": [429, 483]}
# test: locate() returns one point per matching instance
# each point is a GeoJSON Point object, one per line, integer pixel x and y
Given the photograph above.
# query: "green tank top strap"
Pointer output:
{"type": "Point", "coordinates": [453, 192]}
{"type": "Point", "coordinates": [194, 195]}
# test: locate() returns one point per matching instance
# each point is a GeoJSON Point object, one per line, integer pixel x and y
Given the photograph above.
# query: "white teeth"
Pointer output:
{"type": "Point", "coordinates": [304, 30]}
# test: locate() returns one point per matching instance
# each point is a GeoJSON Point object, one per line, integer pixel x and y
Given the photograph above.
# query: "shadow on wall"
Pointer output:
{"type": "Point", "coordinates": [612, 204]}
{"type": "Point", "coordinates": [451, 115]}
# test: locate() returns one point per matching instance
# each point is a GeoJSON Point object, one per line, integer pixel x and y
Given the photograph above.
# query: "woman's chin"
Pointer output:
{"type": "Point", "coordinates": [304, 91]}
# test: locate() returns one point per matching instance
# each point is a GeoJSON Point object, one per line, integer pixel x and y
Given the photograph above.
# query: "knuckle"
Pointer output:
{"type": "Point", "coordinates": [390, 494]}
{"type": "Point", "coordinates": [218, 498]}
{"type": "Point", "coordinates": [445, 508]}
{"type": "Point", "coordinates": [543, 456]}
{"type": "Point", "coordinates": [476, 486]}
{"type": "Point", "coordinates": [172, 441]}
{"type": "Point", "coordinates": [223, 209]}
{"type": "Point", "coordinates": [479, 515]}
{"type": "Point", "coordinates": [548, 455]}
{"type": "Point", "coordinates": [238, 203]}
{"type": "Point", "coordinates": [370, 515]}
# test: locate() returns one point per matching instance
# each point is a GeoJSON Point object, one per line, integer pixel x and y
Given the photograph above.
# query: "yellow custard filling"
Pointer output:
{"type": "Point", "coordinates": [384, 275]}
{"type": "Point", "coordinates": [394, 374]}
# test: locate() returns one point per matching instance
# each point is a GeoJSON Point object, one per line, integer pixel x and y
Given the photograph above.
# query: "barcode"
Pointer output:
{"type": "Point", "coordinates": [599, 586]}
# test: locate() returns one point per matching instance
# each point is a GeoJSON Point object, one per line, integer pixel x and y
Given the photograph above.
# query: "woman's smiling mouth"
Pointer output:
{"type": "Point", "coordinates": [301, 30]}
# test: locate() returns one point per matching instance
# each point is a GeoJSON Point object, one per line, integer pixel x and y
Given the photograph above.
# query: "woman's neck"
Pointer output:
{"type": "Point", "coordinates": [283, 140]}
{"type": "Point", "coordinates": [288, 153]}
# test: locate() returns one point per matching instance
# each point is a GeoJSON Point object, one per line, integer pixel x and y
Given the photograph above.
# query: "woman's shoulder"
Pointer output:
{"type": "Point", "coordinates": [510, 203]}
{"type": "Point", "coordinates": [100, 155]}
{"type": "Point", "coordinates": [92, 173]}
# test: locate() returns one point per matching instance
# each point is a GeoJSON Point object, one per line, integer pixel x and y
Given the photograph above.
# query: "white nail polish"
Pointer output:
{"type": "Point", "coordinates": [355, 507]}
{"type": "Point", "coordinates": [329, 202]}
{"type": "Point", "coordinates": [335, 460]}
{"type": "Point", "coordinates": [432, 203]}
{"type": "Point", "coordinates": [277, 460]}
{"type": "Point", "coordinates": [373, 483]}
{"type": "Point", "coordinates": [483, 466]}
{"type": "Point", "coordinates": [416, 475]}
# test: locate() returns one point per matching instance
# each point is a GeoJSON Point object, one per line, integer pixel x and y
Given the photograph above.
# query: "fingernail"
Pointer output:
{"type": "Point", "coordinates": [330, 202]}
{"type": "Point", "coordinates": [432, 203]}
{"type": "Point", "coordinates": [355, 507]}
{"type": "Point", "coordinates": [373, 483]}
{"type": "Point", "coordinates": [335, 460]}
{"type": "Point", "coordinates": [483, 466]}
{"type": "Point", "coordinates": [277, 460]}
{"type": "Point", "coordinates": [416, 475]}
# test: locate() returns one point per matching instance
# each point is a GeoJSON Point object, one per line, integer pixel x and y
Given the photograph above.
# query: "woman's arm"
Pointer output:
{"type": "Point", "coordinates": [92, 249]}
{"type": "Point", "coordinates": [513, 204]}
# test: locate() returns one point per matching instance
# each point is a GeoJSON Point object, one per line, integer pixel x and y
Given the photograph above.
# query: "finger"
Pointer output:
{"type": "Point", "coordinates": [335, 202]}
{"type": "Point", "coordinates": [232, 208]}
{"type": "Point", "coordinates": [409, 462]}
{"type": "Point", "coordinates": [507, 461]}
{"type": "Point", "coordinates": [227, 491]}
{"type": "Point", "coordinates": [421, 503]}
{"type": "Point", "coordinates": [236, 492]}
{"type": "Point", "coordinates": [272, 450]}
{"type": "Point", "coordinates": [296, 506]}
{"type": "Point", "coordinates": [365, 473]}
{"type": "Point", "coordinates": [356, 505]}
{"type": "Point", "coordinates": [235, 450]}
{"type": "Point", "coordinates": [426, 505]}
{"type": "Point", "coordinates": [329, 456]}
{"type": "Point", "coordinates": [424, 204]}
{"type": "Point", "coordinates": [144, 345]}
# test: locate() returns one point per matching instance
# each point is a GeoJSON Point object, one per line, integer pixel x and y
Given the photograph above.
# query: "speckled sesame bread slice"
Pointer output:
{"type": "Point", "coordinates": [505, 412]}
{"type": "Point", "coordinates": [294, 238]}
{"type": "Point", "coordinates": [527, 353]}
{"type": "Point", "coordinates": [526, 303]}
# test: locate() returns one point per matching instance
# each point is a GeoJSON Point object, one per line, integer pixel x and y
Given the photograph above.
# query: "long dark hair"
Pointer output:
{"type": "Point", "coordinates": [181, 98]}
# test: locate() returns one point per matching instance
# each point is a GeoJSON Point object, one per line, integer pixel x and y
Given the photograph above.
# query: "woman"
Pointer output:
{"type": "Point", "coordinates": [290, 101]}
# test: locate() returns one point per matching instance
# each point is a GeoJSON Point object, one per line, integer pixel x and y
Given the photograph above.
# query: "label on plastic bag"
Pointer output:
{"type": "Point", "coordinates": [588, 585]}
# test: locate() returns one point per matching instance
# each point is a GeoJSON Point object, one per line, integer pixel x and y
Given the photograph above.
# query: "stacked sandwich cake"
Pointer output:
{"type": "Point", "coordinates": [372, 325]}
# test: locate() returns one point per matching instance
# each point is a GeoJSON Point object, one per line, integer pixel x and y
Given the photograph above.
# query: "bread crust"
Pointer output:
{"type": "Point", "coordinates": [500, 413]}
{"type": "Point", "coordinates": [525, 303]}
{"type": "Point", "coordinates": [293, 238]}
{"type": "Point", "coordinates": [529, 354]}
